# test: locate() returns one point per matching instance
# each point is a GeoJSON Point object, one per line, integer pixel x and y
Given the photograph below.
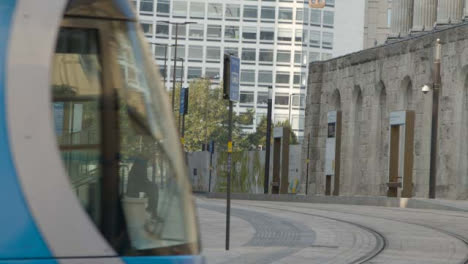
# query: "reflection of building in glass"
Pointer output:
{"type": "Point", "coordinates": [274, 39]}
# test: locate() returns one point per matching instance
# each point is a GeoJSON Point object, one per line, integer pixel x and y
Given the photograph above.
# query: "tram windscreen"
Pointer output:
{"type": "Point", "coordinates": [154, 210]}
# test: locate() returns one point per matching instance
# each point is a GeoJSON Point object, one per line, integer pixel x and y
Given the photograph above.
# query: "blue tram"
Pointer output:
{"type": "Point", "coordinates": [91, 167]}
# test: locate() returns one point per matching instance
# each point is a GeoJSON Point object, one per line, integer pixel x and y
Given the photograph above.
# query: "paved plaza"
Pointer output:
{"type": "Point", "coordinates": [290, 232]}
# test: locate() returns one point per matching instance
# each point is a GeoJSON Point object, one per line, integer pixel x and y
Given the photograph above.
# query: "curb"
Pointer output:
{"type": "Point", "coordinates": [414, 203]}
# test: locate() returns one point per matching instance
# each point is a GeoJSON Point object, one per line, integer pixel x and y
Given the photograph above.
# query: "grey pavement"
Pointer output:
{"type": "Point", "coordinates": [293, 232]}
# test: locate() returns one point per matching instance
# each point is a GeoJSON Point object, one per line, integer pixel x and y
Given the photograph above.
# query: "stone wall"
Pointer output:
{"type": "Point", "coordinates": [367, 86]}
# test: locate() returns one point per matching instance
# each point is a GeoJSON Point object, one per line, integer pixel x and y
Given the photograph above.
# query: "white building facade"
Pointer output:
{"type": "Point", "coordinates": [275, 40]}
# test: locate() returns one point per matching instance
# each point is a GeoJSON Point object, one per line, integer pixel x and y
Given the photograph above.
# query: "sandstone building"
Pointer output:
{"type": "Point", "coordinates": [368, 87]}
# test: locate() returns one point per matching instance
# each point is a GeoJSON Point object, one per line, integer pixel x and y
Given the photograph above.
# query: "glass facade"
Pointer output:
{"type": "Point", "coordinates": [274, 40]}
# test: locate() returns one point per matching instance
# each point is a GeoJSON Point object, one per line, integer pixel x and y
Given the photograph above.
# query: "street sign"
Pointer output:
{"type": "Point", "coordinates": [234, 81]}
{"type": "Point", "coordinates": [211, 147]}
{"type": "Point", "coordinates": [231, 78]}
{"type": "Point", "coordinates": [398, 118]}
{"type": "Point", "coordinates": [183, 108]}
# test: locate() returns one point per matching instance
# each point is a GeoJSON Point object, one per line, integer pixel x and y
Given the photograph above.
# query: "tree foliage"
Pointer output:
{"type": "Point", "coordinates": [258, 139]}
{"type": "Point", "coordinates": [207, 118]}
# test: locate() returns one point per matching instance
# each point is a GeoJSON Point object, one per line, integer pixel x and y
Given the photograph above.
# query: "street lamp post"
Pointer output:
{"type": "Point", "coordinates": [268, 139]}
{"type": "Point", "coordinates": [436, 87]}
{"type": "Point", "coordinates": [175, 54]}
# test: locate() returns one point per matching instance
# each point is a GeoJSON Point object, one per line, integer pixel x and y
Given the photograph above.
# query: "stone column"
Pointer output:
{"type": "Point", "coordinates": [402, 18]}
{"type": "Point", "coordinates": [425, 14]}
{"type": "Point", "coordinates": [449, 12]}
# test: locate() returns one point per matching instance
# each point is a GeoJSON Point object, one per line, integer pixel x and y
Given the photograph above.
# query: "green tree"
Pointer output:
{"type": "Point", "coordinates": [259, 137]}
{"type": "Point", "coordinates": [207, 118]}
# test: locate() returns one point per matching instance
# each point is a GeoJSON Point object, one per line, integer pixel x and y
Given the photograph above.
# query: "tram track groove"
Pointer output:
{"type": "Point", "coordinates": [458, 237]}
{"type": "Point", "coordinates": [381, 241]}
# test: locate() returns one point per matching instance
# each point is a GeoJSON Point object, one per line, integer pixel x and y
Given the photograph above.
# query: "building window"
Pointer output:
{"type": "Point", "coordinates": [268, 13]}
{"type": "Point", "coordinates": [179, 9]}
{"type": "Point", "coordinates": [284, 34]}
{"type": "Point", "coordinates": [285, 13]}
{"type": "Point", "coordinates": [265, 77]}
{"type": "Point", "coordinates": [267, 34]}
{"type": "Point", "coordinates": [299, 15]}
{"type": "Point", "coordinates": [194, 73]}
{"type": "Point", "coordinates": [283, 56]}
{"type": "Point", "coordinates": [195, 53]}
{"type": "Point", "coordinates": [162, 30]}
{"type": "Point", "coordinates": [160, 51]}
{"type": "Point", "coordinates": [303, 80]}
{"type": "Point", "coordinates": [215, 11]}
{"type": "Point", "coordinates": [233, 51]}
{"type": "Point", "coordinates": [297, 79]}
{"type": "Point", "coordinates": [247, 76]}
{"type": "Point", "coordinates": [147, 29]}
{"type": "Point", "coordinates": [327, 40]}
{"type": "Point", "coordinates": [297, 122]}
{"type": "Point", "coordinates": [282, 77]}
{"type": "Point", "coordinates": [146, 6]}
{"type": "Point", "coordinates": [231, 33]}
{"type": "Point", "coordinates": [197, 10]}
{"type": "Point", "coordinates": [232, 12]}
{"type": "Point", "coordinates": [196, 31]}
{"type": "Point", "coordinates": [328, 19]}
{"type": "Point", "coordinates": [246, 97]}
{"type": "Point", "coordinates": [178, 72]}
{"type": "Point", "coordinates": [180, 52]}
{"type": "Point", "coordinates": [297, 57]}
{"type": "Point", "coordinates": [281, 99]}
{"type": "Point", "coordinates": [162, 7]}
{"type": "Point", "coordinates": [213, 32]}
{"type": "Point", "coordinates": [315, 17]}
{"type": "Point", "coordinates": [250, 12]}
{"type": "Point", "coordinates": [248, 55]}
{"type": "Point", "coordinates": [212, 74]}
{"type": "Point", "coordinates": [298, 36]}
{"type": "Point", "coordinates": [181, 31]}
{"type": "Point", "coordinates": [330, 3]}
{"type": "Point", "coordinates": [298, 100]}
{"type": "Point", "coordinates": [249, 34]}
{"type": "Point", "coordinates": [266, 56]}
{"type": "Point", "coordinates": [314, 56]}
{"type": "Point", "coordinates": [213, 54]}
{"type": "Point", "coordinates": [314, 39]}
{"type": "Point", "coordinates": [305, 15]}
{"type": "Point", "coordinates": [262, 98]}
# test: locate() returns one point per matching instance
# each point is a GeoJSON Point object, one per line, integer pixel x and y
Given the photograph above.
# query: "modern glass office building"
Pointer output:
{"type": "Point", "coordinates": [275, 40]}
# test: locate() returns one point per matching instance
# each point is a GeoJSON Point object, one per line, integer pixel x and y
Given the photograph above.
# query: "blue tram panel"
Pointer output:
{"type": "Point", "coordinates": [115, 148]}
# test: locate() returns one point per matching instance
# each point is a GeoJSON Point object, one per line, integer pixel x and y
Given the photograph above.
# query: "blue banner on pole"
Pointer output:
{"type": "Point", "coordinates": [183, 103]}
{"type": "Point", "coordinates": [234, 81]}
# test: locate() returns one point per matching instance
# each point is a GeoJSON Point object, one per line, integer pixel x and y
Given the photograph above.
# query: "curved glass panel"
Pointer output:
{"type": "Point", "coordinates": [118, 141]}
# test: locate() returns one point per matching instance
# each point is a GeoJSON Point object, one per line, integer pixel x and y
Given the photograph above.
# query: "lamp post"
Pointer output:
{"type": "Point", "coordinates": [175, 54]}
{"type": "Point", "coordinates": [268, 139]}
{"type": "Point", "coordinates": [436, 87]}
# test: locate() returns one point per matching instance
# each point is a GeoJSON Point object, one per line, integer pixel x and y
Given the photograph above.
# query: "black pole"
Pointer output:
{"type": "Point", "coordinates": [307, 161]}
{"type": "Point", "coordinates": [165, 66]}
{"type": "Point", "coordinates": [211, 165]}
{"type": "Point", "coordinates": [228, 200]}
{"type": "Point", "coordinates": [175, 65]}
{"type": "Point", "coordinates": [268, 139]}
{"type": "Point", "coordinates": [436, 86]}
